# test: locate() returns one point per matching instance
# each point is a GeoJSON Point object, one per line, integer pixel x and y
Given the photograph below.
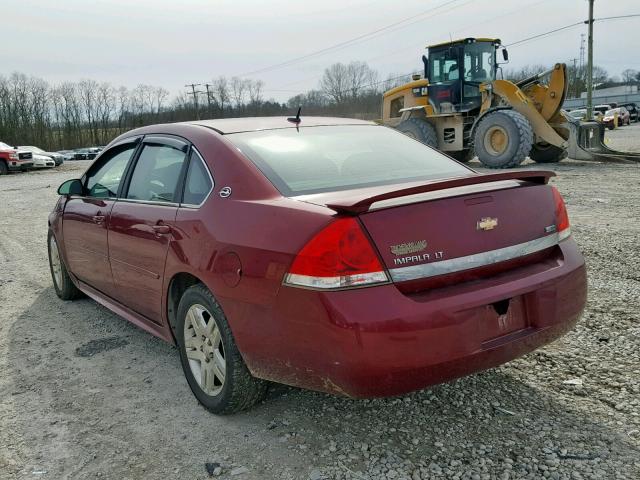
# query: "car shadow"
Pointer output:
{"type": "Point", "coordinates": [90, 393]}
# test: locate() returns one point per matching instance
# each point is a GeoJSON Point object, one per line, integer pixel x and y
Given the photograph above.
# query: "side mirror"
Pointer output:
{"type": "Point", "coordinates": [425, 61]}
{"type": "Point", "coordinates": [505, 55]}
{"type": "Point", "coordinates": [70, 187]}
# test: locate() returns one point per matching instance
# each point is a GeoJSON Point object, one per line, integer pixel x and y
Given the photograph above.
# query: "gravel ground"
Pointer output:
{"type": "Point", "coordinates": [84, 394]}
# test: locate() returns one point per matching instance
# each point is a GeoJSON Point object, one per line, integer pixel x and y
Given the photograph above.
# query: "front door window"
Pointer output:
{"type": "Point", "coordinates": [104, 179]}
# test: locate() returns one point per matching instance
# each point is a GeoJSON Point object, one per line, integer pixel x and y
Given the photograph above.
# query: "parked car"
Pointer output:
{"type": "Point", "coordinates": [42, 161]}
{"type": "Point", "coordinates": [633, 111]}
{"type": "Point", "coordinates": [68, 155]}
{"type": "Point", "coordinates": [81, 154]}
{"type": "Point", "coordinates": [579, 114]}
{"type": "Point", "coordinates": [331, 254]}
{"type": "Point", "coordinates": [609, 118]}
{"type": "Point", "coordinates": [56, 157]}
{"type": "Point", "coordinates": [599, 111]}
{"type": "Point", "coordinates": [12, 159]}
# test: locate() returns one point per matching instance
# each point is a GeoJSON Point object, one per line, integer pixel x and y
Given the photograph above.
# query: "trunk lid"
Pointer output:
{"type": "Point", "coordinates": [455, 227]}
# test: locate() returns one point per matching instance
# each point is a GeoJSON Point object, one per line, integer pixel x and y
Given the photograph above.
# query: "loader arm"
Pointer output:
{"type": "Point", "coordinates": [520, 102]}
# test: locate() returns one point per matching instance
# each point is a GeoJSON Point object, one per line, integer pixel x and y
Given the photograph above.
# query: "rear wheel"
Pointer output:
{"type": "Point", "coordinates": [211, 362]}
{"type": "Point", "coordinates": [421, 130]}
{"type": "Point", "coordinates": [62, 283]}
{"type": "Point", "coordinates": [3, 168]}
{"type": "Point", "coordinates": [503, 139]}
{"type": "Point", "coordinates": [547, 153]}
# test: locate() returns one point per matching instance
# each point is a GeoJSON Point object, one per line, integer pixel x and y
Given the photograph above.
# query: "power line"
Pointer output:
{"type": "Point", "coordinates": [362, 37]}
{"type": "Point", "coordinates": [540, 35]}
{"type": "Point", "coordinates": [584, 22]}
{"type": "Point", "coordinates": [631, 15]}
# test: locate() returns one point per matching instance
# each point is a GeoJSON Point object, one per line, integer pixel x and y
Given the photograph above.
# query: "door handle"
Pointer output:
{"type": "Point", "coordinates": [98, 219]}
{"type": "Point", "coordinates": [162, 229]}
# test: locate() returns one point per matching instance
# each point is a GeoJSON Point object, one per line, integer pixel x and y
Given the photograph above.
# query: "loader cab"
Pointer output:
{"type": "Point", "coordinates": [456, 70]}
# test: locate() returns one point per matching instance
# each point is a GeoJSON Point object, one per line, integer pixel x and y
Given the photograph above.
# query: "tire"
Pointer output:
{"type": "Point", "coordinates": [3, 168]}
{"type": "Point", "coordinates": [202, 342]}
{"type": "Point", "coordinates": [421, 130]}
{"type": "Point", "coordinates": [546, 153]}
{"type": "Point", "coordinates": [62, 283]}
{"type": "Point", "coordinates": [503, 139]}
{"type": "Point", "coordinates": [611, 127]}
{"type": "Point", "coordinates": [463, 156]}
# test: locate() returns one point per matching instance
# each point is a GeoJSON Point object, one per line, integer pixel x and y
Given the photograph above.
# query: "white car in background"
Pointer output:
{"type": "Point", "coordinates": [42, 161]}
{"type": "Point", "coordinates": [57, 158]}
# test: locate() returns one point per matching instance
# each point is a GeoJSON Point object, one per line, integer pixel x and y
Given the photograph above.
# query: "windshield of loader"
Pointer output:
{"type": "Point", "coordinates": [479, 60]}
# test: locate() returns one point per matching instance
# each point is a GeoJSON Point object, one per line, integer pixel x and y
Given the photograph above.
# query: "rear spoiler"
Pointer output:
{"type": "Point", "coordinates": [361, 205]}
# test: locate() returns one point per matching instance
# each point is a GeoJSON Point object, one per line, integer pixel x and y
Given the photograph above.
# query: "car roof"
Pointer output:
{"type": "Point", "coordinates": [252, 124]}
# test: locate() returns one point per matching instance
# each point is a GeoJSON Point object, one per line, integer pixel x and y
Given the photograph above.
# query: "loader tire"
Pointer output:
{"type": "Point", "coordinates": [546, 153]}
{"type": "Point", "coordinates": [420, 130]}
{"type": "Point", "coordinates": [503, 139]}
{"type": "Point", "coordinates": [463, 156]}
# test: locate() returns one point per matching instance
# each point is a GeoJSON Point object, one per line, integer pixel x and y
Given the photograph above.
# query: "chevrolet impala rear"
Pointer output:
{"type": "Point", "coordinates": [330, 254]}
{"type": "Point", "coordinates": [420, 270]}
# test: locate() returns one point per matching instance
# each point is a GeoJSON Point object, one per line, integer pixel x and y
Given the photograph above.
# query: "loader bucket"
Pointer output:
{"type": "Point", "coordinates": [586, 142]}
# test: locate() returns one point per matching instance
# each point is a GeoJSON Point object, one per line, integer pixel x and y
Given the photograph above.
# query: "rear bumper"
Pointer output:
{"type": "Point", "coordinates": [378, 341]}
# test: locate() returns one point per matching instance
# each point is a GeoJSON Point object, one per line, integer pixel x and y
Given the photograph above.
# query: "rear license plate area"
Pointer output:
{"type": "Point", "coordinates": [503, 317]}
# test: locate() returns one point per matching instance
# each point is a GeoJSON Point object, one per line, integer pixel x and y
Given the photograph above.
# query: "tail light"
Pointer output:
{"type": "Point", "coordinates": [339, 256]}
{"type": "Point", "coordinates": [562, 217]}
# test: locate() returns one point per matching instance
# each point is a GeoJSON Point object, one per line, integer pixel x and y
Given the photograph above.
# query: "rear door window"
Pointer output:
{"type": "Point", "coordinates": [157, 172]}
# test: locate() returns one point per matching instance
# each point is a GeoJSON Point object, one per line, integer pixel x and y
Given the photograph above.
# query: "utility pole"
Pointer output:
{"type": "Point", "coordinates": [576, 91]}
{"type": "Point", "coordinates": [195, 97]}
{"type": "Point", "coordinates": [207, 85]}
{"type": "Point", "coordinates": [590, 65]}
{"type": "Point", "coordinates": [582, 49]}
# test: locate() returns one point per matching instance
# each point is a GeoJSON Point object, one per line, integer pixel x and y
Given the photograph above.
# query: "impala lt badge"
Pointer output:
{"type": "Point", "coordinates": [487, 223]}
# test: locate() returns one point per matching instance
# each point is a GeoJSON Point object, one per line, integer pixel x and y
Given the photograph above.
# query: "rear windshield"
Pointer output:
{"type": "Point", "coordinates": [325, 159]}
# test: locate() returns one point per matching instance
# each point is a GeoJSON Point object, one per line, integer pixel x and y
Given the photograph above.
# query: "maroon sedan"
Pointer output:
{"type": "Point", "coordinates": [331, 254]}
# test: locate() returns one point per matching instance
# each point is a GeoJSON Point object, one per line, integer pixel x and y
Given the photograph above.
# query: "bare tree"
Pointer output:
{"type": "Point", "coordinates": [335, 82]}
{"type": "Point", "coordinates": [221, 92]}
{"type": "Point", "coordinates": [238, 91]}
{"type": "Point", "coordinates": [360, 77]}
{"type": "Point", "coordinates": [160, 95]}
{"type": "Point", "coordinates": [629, 75]}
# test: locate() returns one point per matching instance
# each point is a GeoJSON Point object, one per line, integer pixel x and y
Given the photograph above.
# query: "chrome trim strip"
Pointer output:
{"type": "Point", "coordinates": [147, 202]}
{"type": "Point", "coordinates": [459, 264]}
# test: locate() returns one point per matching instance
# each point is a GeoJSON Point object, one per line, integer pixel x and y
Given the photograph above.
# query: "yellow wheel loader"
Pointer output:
{"type": "Point", "coordinates": [461, 108]}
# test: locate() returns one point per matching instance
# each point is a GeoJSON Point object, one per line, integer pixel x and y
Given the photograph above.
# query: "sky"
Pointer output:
{"type": "Point", "coordinates": [173, 43]}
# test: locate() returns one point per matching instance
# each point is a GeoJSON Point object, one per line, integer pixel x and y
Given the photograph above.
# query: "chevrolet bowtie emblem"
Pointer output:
{"type": "Point", "coordinates": [487, 223]}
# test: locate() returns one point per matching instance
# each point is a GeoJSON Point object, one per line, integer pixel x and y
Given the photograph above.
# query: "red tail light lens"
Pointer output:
{"type": "Point", "coordinates": [339, 256]}
{"type": "Point", "coordinates": [562, 217]}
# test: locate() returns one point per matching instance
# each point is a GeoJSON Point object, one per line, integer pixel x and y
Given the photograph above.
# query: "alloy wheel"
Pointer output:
{"type": "Point", "coordinates": [204, 350]}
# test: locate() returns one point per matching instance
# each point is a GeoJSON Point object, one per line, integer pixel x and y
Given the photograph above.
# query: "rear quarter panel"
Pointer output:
{"type": "Point", "coordinates": [240, 247]}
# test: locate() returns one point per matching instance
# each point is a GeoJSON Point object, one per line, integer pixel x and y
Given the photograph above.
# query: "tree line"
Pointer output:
{"type": "Point", "coordinates": [85, 113]}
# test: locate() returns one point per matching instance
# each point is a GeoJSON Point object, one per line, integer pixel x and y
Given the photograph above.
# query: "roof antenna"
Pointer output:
{"type": "Point", "coordinates": [295, 119]}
